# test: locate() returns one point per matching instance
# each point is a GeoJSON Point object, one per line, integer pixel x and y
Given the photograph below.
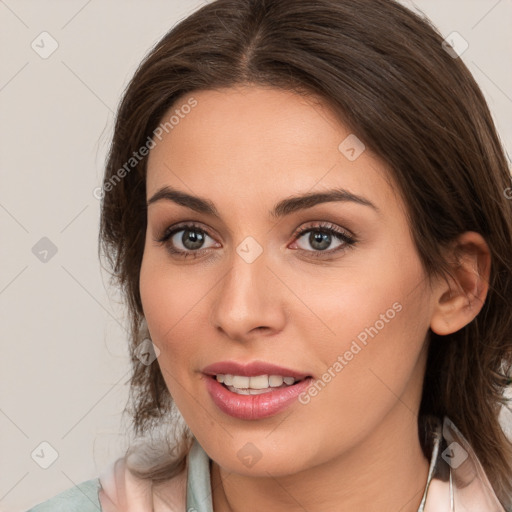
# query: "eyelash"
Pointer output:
{"type": "Point", "coordinates": [322, 227]}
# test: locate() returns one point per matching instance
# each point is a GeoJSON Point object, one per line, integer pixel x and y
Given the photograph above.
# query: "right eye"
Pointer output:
{"type": "Point", "coordinates": [185, 240]}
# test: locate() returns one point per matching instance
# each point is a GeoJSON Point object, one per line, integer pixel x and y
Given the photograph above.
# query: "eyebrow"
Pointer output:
{"type": "Point", "coordinates": [281, 209]}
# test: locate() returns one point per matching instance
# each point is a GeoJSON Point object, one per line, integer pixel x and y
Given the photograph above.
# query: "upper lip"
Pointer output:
{"type": "Point", "coordinates": [251, 369]}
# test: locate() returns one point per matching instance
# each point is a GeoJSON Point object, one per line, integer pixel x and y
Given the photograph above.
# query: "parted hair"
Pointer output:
{"type": "Point", "coordinates": [384, 70]}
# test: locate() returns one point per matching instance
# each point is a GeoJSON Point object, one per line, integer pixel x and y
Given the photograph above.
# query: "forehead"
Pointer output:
{"type": "Point", "coordinates": [254, 143]}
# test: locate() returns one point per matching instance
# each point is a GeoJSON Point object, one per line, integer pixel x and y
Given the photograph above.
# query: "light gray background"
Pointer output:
{"type": "Point", "coordinates": [64, 364]}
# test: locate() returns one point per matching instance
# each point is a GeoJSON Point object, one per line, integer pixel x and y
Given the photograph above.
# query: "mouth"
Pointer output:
{"type": "Point", "coordinates": [233, 394]}
{"type": "Point", "coordinates": [257, 384]}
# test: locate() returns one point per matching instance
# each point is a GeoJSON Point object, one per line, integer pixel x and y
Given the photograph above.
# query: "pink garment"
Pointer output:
{"type": "Point", "coordinates": [467, 488]}
{"type": "Point", "coordinates": [456, 482]}
{"type": "Point", "coordinates": [123, 492]}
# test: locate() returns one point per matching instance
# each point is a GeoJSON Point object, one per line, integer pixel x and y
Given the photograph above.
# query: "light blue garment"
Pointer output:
{"type": "Point", "coordinates": [199, 492]}
{"type": "Point", "coordinates": [81, 498]}
{"type": "Point", "coordinates": [445, 438]}
{"type": "Point", "coordinates": [84, 496]}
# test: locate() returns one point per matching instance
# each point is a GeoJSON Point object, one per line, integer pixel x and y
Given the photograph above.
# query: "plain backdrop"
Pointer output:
{"type": "Point", "coordinates": [64, 365]}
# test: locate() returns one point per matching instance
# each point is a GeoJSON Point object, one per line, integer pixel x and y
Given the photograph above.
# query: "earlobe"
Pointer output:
{"type": "Point", "coordinates": [460, 297]}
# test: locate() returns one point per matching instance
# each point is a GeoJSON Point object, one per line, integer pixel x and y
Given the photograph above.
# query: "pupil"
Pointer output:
{"type": "Point", "coordinates": [322, 239]}
{"type": "Point", "coordinates": [192, 239]}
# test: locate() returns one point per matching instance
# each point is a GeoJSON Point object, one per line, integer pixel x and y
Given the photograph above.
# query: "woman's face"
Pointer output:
{"type": "Point", "coordinates": [351, 311]}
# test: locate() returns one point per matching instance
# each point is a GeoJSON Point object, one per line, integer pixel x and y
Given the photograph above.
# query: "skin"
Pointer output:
{"type": "Point", "coordinates": [355, 445]}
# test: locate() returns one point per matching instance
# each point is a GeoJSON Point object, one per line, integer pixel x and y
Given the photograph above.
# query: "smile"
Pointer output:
{"type": "Point", "coordinates": [254, 385]}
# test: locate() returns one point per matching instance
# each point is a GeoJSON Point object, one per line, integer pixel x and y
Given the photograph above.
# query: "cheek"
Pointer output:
{"type": "Point", "coordinates": [378, 319]}
{"type": "Point", "coordinates": [157, 301]}
{"type": "Point", "coordinates": [165, 310]}
{"type": "Point", "coordinates": [378, 295]}
{"type": "Point", "coordinates": [167, 301]}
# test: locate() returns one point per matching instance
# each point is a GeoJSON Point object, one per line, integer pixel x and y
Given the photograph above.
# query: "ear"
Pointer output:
{"type": "Point", "coordinates": [460, 297]}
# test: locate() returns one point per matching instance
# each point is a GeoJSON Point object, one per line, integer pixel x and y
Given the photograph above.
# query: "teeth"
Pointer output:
{"type": "Point", "coordinates": [240, 382]}
{"type": "Point", "coordinates": [256, 383]}
{"type": "Point", "coordinates": [275, 380]}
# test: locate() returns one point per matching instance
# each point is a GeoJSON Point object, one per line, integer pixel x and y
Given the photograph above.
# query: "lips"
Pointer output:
{"type": "Point", "coordinates": [254, 407]}
{"type": "Point", "coordinates": [252, 369]}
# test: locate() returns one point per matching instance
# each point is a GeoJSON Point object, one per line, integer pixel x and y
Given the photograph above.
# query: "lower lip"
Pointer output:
{"type": "Point", "coordinates": [254, 407]}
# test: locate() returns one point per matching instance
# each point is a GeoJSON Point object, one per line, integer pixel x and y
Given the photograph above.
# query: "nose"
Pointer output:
{"type": "Point", "coordinates": [248, 302]}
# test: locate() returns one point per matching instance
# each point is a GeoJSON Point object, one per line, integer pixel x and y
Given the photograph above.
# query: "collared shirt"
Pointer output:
{"type": "Point", "coordinates": [456, 482]}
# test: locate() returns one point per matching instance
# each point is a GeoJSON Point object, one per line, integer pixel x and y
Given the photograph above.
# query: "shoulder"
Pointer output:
{"type": "Point", "coordinates": [189, 488]}
{"type": "Point", "coordinates": [117, 489]}
{"type": "Point", "coordinates": [79, 498]}
{"type": "Point", "coordinates": [121, 490]}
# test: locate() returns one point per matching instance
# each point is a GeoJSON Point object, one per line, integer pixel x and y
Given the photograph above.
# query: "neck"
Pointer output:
{"type": "Point", "coordinates": [387, 471]}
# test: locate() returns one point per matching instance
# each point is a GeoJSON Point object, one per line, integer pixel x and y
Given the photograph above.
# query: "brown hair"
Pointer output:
{"type": "Point", "coordinates": [384, 71]}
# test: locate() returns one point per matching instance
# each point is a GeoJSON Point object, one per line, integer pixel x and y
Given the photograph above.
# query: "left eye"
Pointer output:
{"type": "Point", "coordinates": [321, 238]}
